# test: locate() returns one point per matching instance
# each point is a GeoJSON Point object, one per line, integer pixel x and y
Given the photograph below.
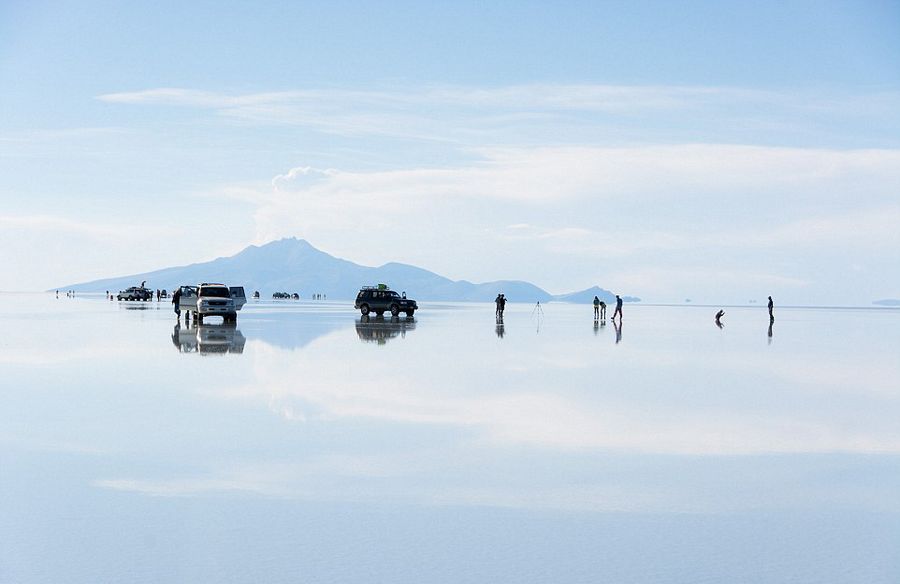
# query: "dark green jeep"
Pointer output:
{"type": "Point", "coordinates": [379, 299]}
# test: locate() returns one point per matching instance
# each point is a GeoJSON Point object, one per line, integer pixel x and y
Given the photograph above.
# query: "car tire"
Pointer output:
{"type": "Point", "coordinates": [409, 313]}
{"type": "Point", "coordinates": [364, 309]}
{"type": "Point", "coordinates": [395, 310]}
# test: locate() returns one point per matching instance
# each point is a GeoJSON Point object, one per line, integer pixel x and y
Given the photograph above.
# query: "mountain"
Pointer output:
{"type": "Point", "coordinates": [293, 265]}
{"type": "Point", "coordinates": [887, 302]}
{"type": "Point", "coordinates": [587, 296]}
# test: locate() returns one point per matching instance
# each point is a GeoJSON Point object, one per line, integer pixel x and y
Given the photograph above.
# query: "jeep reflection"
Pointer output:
{"type": "Point", "coordinates": [380, 331]}
{"type": "Point", "coordinates": [380, 299]}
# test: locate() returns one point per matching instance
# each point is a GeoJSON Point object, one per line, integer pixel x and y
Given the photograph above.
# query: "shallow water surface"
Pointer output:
{"type": "Point", "coordinates": [306, 444]}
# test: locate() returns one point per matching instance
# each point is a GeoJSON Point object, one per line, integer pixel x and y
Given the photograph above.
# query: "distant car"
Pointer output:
{"type": "Point", "coordinates": [379, 299]}
{"type": "Point", "coordinates": [135, 293]}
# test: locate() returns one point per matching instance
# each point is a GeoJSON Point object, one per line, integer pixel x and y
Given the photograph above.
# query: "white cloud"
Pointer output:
{"type": "Point", "coordinates": [660, 217]}
{"type": "Point", "coordinates": [44, 251]}
{"type": "Point", "coordinates": [489, 114]}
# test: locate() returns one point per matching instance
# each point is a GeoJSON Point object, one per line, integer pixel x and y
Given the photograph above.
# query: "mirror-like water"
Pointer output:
{"type": "Point", "coordinates": [307, 444]}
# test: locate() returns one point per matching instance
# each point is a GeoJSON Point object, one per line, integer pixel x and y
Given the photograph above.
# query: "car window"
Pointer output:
{"type": "Point", "coordinates": [215, 292]}
{"type": "Point", "coordinates": [393, 295]}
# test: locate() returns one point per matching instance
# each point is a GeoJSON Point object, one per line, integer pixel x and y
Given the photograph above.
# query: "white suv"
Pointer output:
{"type": "Point", "coordinates": [209, 299]}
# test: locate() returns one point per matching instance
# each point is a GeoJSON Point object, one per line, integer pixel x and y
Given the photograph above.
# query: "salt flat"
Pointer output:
{"type": "Point", "coordinates": [308, 445]}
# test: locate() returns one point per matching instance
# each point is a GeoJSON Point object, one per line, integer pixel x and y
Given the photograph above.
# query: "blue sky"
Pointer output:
{"type": "Point", "coordinates": [712, 150]}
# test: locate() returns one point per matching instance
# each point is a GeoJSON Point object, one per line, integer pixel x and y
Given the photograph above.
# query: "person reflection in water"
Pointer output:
{"type": "Point", "coordinates": [618, 327]}
{"type": "Point", "coordinates": [175, 336]}
{"type": "Point", "coordinates": [500, 329]}
{"type": "Point", "coordinates": [719, 316]}
{"type": "Point", "coordinates": [771, 323]}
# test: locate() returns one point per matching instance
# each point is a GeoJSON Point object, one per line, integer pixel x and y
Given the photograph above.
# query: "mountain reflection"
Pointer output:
{"type": "Point", "coordinates": [208, 339]}
{"type": "Point", "coordinates": [378, 330]}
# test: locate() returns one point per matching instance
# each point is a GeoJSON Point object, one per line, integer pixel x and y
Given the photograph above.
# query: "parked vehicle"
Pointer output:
{"type": "Point", "coordinates": [380, 299]}
{"type": "Point", "coordinates": [135, 293]}
{"type": "Point", "coordinates": [210, 299]}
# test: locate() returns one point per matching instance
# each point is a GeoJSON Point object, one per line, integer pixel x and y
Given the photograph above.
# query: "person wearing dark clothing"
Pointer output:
{"type": "Point", "coordinates": [771, 309]}
{"type": "Point", "coordinates": [596, 308]}
{"type": "Point", "coordinates": [497, 303]}
{"type": "Point", "coordinates": [719, 316]}
{"type": "Point", "coordinates": [618, 308]}
{"type": "Point", "coordinates": [602, 310]}
{"type": "Point", "coordinates": [502, 304]}
{"type": "Point", "coordinates": [176, 300]}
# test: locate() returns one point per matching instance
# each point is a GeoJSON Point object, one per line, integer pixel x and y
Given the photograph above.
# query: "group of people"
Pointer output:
{"type": "Point", "coordinates": [600, 309]}
{"type": "Point", "coordinates": [500, 301]}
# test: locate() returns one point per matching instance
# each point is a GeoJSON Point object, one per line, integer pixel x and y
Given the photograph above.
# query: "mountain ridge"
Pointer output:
{"type": "Point", "coordinates": [295, 265]}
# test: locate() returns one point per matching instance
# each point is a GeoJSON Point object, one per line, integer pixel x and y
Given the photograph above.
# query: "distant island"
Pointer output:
{"type": "Point", "coordinates": [887, 302]}
{"type": "Point", "coordinates": [294, 265]}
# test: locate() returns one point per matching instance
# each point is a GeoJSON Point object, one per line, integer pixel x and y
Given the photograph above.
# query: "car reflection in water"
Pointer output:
{"type": "Point", "coordinates": [378, 330]}
{"type": "Point", "coordinates": [208, 339]}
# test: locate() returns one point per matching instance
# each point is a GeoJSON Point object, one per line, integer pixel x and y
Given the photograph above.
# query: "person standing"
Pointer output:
{"type": "Point", "coordinates": [771, 309]}
{"type": "Point", "coordinates": [596, 308]}
{"type": "Point", "coordinates": [497, 304]}
{"type": "Point", "coordinates": [602, 310]}
{"type": "Point", "coordinates": [618, 308]}
{"type": "Point", "coordinates": [176, 301]}
{"type": "Point", "coordinates": [502, 305]}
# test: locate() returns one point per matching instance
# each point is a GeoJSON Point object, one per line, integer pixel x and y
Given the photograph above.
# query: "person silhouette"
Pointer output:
{"type": "Point", "coordinates": [771, 323]}
{"type": "Point", "coordinates": [497, 303]}
{"type": "Point", "coordinates": [618, 327]}
{"type": "Point", "coordinates": [502, 304]}
{"type": "Point", "coordinates": [771, 309]}
{"type": "Point", "coordinates": [618, 308]}
{"type": "Point", "coordinates": [176, 301]}
{"type": "Point", "coordinates": [602, 310]}
{"type": "Point", "coordinates": [500, 328]}
{"type": "Point", "coordinates": [719, 316]}
{"type": "Point", "coordinates": [596, 308]}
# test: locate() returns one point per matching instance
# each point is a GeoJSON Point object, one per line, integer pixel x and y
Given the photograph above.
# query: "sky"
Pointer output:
{"type": "Point", "coordinates": [717, 151]}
